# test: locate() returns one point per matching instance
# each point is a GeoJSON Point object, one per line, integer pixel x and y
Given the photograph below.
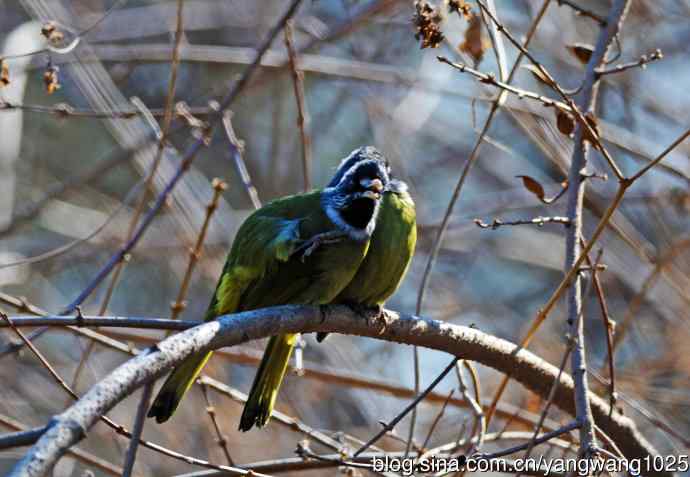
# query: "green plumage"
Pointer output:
{"type": "Point", "coordinates": [390, 252]}
{"type": "Point", "coordinates": [262, 271]}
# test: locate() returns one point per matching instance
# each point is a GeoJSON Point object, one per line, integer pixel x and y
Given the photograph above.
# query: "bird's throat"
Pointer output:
{"type": "Point", "coordinates": [358, 213]}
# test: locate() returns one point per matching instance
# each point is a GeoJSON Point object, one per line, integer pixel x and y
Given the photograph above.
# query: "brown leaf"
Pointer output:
{"type": "Point", "coordinates": [538, 75]}
{"type": "Point", "coordinates": [4, 73]}
{"type": "Point", "coordinates": [533, 186]}
{"type": "Point", "coordinates": [564, 122]}
{"type": "Point", "coordinates": [475, 44]}
{"type": "Point", "coordinates": [581, 51]}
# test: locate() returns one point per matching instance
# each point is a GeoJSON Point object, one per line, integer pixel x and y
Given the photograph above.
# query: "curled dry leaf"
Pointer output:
{"type": "Point", "coordinates": [564, 122]}
{"type": "Point", "coordinates": [475, 44]}
{"type": "Point", "coordinates": [538, 75]}
{"type": "Point", "coordinates": [581, 51]}
{"type": "Point", "coordinates": [51, 32]}
{"type": "Point", "coordinates": [4, 73]}
{"type": "Point", "coordinates": [427, 21]}
{"type": "Point", "coordinates": [51, 79]}
{"type": "Point", "coordinates": [533, 186]}
{"type": "Point", "coordinates": [537, 189]}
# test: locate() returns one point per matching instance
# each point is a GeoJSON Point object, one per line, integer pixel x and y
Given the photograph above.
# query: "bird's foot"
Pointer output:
{"type": "Point", "coordinates": [372, 314]}
{"type": "Point", "coordinates": [308, 247]}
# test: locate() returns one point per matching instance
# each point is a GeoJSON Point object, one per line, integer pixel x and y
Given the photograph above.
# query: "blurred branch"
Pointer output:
{"type": "Point", "coordinates": [582, 11]}
{"type": "Point", "coordinates": [61, 47]}
{"type": "Point", "coordinates": [662, 262]}
{"type": "Point", "coordinates": [27, 212]}
{"type": "Point", "coordinates": [70, 245]}
{"type": "Point", "coordinates": [465, 343]}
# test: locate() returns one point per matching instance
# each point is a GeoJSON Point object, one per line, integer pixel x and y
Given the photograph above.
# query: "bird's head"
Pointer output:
{"type": "Point", "coordinates": [358, 156]}
{"type": "Point", "coordinates": [352, 198]}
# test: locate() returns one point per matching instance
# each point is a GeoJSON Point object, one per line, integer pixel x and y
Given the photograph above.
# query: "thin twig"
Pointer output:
{"type": "Point", "coordinates": [608, 325]}
{"type": "Point", "coordinates": [195, 253]}
{"type": "Point", "coordinates": [221, 439]}
{"type": "Point", "coordinates": [163, 136]}
{"type": "Point", "coordinates": [436, 420]}
{"type": "Point", "coordinates": [137, 429]}
{"type": "Point", "coordinates": [407, 409]}
{"type": "Point", "coordinates": [582, 11]}
{"type": "Point", "coordinates": [283, 419]}
{"type": "Point", "coordinates": [238, 158]}
{"type": "Point", "coordinates": [539, 440]}
{"type": "Point", "coordinates": [302, 115]}
{"type": "Point", "coordinates": [641, 63]}
{"type": "Point", "coordinates": [549, 401]}
{"type": "Point", "coordinates": [538, 221]}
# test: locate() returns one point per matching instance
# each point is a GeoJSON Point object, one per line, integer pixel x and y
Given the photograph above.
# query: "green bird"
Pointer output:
{"type": "Point", "coordinates": [391, 247]}
{"type": "Point", "coordinates": [277, 258]}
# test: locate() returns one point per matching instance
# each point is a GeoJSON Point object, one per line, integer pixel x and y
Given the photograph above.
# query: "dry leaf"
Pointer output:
{"type": "Point", "coordinates": [461, 7]}
{"type": "Point", "coordinates": [581, 51]}
{"type": "Point", "coordinates": [475, 44]}
{"type": "Point", "coordinates": [533, 186]}
{"type": "Point", "coordinates": [4, 73]}
{"type": "Point", "coordinates": [564, 122]}
{"type": "Point", "coordinates": [426, 21]}
{"type": "Point", "coordinates": [51, 79]}
{"type": "Point", "coordinates": [538, 75]}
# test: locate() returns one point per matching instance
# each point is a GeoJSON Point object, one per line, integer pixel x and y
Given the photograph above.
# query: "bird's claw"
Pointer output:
{"type": "Point", "coordinates": [308, 247]}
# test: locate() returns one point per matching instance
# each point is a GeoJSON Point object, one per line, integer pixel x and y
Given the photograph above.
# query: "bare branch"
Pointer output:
{"type": "Point", "coordinates": [465, 343]}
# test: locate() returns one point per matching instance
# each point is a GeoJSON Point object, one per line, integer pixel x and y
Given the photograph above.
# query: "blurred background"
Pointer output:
{"type": "Point", "coordinates": [68, 185]}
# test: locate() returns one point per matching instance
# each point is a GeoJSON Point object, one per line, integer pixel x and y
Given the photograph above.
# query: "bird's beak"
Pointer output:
{"type": "Point", "coordinates": [373, 187]}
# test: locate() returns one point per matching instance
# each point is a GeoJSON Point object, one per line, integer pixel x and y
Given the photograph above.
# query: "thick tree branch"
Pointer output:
{"type": "Point", "coordinates": [534, 373]}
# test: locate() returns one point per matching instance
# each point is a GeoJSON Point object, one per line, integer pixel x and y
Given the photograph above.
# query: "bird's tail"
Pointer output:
{"type": "Point", "coordinates": [175, 387]}
{"type": "Point", "coordinates": [269, 376]}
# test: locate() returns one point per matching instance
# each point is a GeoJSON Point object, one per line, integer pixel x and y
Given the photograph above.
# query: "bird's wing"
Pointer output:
{"type": "Point", "coordinates": [261, 245]}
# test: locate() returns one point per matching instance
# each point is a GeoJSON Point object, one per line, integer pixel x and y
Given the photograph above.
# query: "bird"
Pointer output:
{"type": "Point", "coordinates": [279, 257]}
{"type": "Point", "coordinates": [391, 247]}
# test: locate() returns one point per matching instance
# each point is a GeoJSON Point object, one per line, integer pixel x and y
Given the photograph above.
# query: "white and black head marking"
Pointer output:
{"type": "Point", "coordinates": [352, 198]}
